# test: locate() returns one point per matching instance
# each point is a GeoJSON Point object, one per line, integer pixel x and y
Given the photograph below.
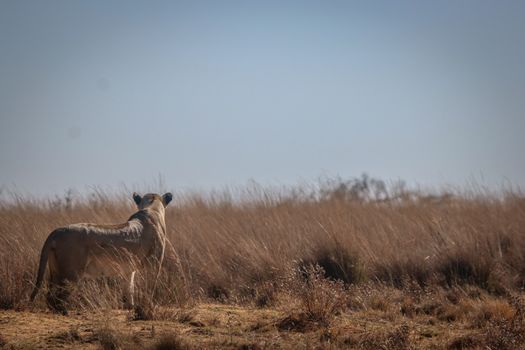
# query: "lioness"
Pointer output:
{"type": "Point", "coordinates": [103, 250]}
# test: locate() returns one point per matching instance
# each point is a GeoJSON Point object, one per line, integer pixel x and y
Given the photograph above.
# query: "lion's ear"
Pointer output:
{"type": "Point", "coordinates": [137, 198]}
{"type": "Point", "coordinates": [166, 198]}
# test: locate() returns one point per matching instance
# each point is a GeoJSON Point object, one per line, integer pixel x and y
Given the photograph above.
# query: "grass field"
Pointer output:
{"type": "Point", "coordinates": [341, 264]}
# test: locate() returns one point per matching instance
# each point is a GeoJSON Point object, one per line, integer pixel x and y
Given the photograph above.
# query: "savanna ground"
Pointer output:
{"type": "Point", "coordinates": [343, 264]}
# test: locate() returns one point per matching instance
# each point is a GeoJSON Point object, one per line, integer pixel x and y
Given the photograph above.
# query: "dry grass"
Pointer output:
{"type": "Point", "coordinates": [171, 342]}
{"type": "Point", "coordinates": [453, 257]}
{"type": "Point", "coordinates": [317, 299]}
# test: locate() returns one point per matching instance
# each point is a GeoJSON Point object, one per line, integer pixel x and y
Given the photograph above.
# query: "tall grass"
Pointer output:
{"type": "Point", "coordinates": [232, 245]}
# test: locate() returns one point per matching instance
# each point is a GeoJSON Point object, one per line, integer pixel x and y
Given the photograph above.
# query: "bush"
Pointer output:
{"type": "Point", "coordinates": [336, 262]}
{"type": "Point", "coordinates": [320, 299]}
{"type": "Point", "coordinates": [466, 267]}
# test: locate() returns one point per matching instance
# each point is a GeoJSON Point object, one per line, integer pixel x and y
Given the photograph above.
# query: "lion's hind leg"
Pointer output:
{"type": "Point", "coordinates": [59, 288]}
{"type": "Point", "coordinates": [57, 292]}
{"type": "Point", "coordinates": [57, 296]}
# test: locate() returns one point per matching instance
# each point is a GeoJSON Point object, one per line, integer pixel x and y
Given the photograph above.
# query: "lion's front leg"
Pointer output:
{"type": "Point", "coordinates": [129, 292]}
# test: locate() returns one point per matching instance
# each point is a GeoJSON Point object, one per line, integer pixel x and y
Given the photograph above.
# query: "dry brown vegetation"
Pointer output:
{"type": "Point", "coordinates": [356, 265]}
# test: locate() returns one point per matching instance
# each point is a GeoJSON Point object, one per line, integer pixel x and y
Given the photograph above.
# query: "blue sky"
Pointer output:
{"type": "Point", "coordinates": [214, 93]}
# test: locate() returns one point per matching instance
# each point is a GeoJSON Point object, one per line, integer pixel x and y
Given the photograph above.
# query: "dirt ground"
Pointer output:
{"type": "Point", "coordinates": [217, 326]}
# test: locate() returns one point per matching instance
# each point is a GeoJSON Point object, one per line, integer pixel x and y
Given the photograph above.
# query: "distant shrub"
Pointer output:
{"type": "Point", "coordinates": [364, 188]}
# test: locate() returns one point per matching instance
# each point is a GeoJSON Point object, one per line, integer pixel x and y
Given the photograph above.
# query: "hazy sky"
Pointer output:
{"type": "Point", "coordinates": [213, 93]}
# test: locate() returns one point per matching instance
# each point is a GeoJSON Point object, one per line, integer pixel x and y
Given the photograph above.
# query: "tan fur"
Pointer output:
{"type": "Point", "coordinates": [94, 250]}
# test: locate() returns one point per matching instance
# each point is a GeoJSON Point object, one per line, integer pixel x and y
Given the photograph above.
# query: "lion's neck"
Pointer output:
{"type": "Point", "coordinates": [151, 215]}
